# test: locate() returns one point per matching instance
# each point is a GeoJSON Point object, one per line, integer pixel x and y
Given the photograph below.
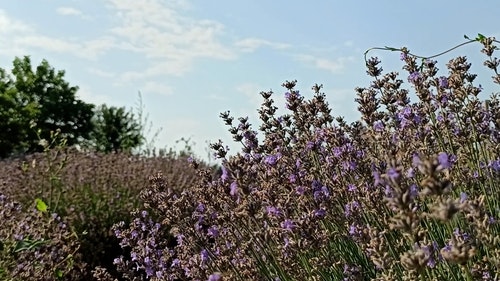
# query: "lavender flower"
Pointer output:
{"type": "Point", "coordinates": [415, 77]}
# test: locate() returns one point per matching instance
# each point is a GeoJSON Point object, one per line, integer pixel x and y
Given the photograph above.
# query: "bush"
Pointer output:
{"type": "Point", "coordinates": [91, 191]}
{"type": "Point", "coordinates": [36, 245]}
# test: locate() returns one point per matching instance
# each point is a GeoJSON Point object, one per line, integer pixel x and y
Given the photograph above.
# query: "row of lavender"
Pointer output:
{"type": "Point", "coordinates": [57, 209]}
{"type": "Point", "coordinates": [409, 192]}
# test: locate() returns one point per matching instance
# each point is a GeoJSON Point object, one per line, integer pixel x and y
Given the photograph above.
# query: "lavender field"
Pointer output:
{"type": "Point", "coordinates": [411, 191]}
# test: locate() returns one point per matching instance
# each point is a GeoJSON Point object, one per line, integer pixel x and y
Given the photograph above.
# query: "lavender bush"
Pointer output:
{"type": "Point", "coordinates": [89, 191]}
{"type": "Point", "coordinates": [409, 192]}
{"type": "Point", "coordinates": [36, 245]}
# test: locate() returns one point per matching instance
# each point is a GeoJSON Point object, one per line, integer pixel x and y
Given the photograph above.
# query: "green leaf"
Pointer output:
{"type": "Point", "coordinates": [59, 273]}
{"type": "Point", "coordinates": [27, 245]}
{"type": "Point", "coordinates": [466, 37]}
{"type": "Point", "coordinates": [40, 205]}
{"type": "Point", "coordinates": [480, 37]}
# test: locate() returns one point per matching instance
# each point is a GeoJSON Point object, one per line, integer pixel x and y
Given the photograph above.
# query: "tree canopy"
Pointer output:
{"type": "Point", "coordinates": [116, 129]}
{"type": "Point", "coordinates": [37, 101]}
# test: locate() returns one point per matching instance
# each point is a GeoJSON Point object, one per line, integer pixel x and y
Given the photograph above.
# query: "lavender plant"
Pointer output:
{"type": "Point", "coordinates": [409, 192]}
{"type": "Point", "coordinates": [35, 244]}
{"type": "Point", "coordinates": [90, 191]}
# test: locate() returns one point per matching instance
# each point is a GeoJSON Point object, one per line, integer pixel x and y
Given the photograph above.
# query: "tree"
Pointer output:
{"type": "Point", "coordinates": [36, 102]}
{"type": "Point", "coordinates": [115, 130]}
{"type": "Point", "coordinates": [14, 117]}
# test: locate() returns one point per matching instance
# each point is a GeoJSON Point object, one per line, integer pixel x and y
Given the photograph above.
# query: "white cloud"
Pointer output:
{"type": "Point", "coordinates": [252, 93]}
{"type": "Point", "coordinates": [88, 50]}
{"type": "Point", "coordinates": [156, 30]}
{"type": "Point", "coordinates": [9, 25]}
{"type": "Point", "coordinates": [68, 11]}
{"type": "Point", "coordinates": [251, 44]}
{"type": "Point", "coordinates": [157, 88]}
{"type": "Point", "coordinates": [334, 66]}
{"type": "Point", "coordinates": [348, 43]}
{"type": "Point", "coordinates": [101, 73]}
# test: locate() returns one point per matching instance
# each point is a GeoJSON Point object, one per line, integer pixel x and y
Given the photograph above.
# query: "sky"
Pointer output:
{"type": "Point", "coordinates": [193, 59]}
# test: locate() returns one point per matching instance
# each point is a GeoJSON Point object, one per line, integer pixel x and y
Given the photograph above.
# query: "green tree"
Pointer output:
{"type": "Point", "coordinates": [15, 116]}
{"type": "Point", "coordinates": [116, 129]}
{"type": "Point", "coordinates": [36, 102]}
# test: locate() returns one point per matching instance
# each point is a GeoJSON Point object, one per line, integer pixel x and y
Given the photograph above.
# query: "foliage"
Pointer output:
{"type": "Point", "coordinates": [36, 102]}
{"type": "Point", "coordinates": [409, 192]}
{"type": "Point", "coordinates": [116, 130]}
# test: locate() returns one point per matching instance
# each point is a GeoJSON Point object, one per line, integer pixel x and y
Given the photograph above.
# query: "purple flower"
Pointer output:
{"type": "Point", "coordinates": [204, 255]}
{"type": "Point", "coordinates": [214, 277]}
{"type": "Point", "coordinates": [350, 208]}
{"type": "Point", "coordinates": [320, 191]}
{"type": "Point", "coordinates": [410, 173]}
{"type": "Point", "coordinates": [149, 271]}
{"type": "Point", "coordinates": [300, 190]}
{"type": "Point", "coordinates": [495, 165]}
{"type": "Point", "coordinates": [200, 208]}
{"type": "Point", "coordinates": [175, 263]}
{"type": "Point", "coordinates": [415, 77]}
{"type": "Point", "coordinates": [180, 239]}
{"type": "Point", "coordinates": [444, 160]}
{"type": "Point", "coordinates": [225, 174]}
{"type": "Point", "coordinates": [443, 82]}
{"type": "Point", "coordinates": [428, 250]}
{"type": "Point", "coordinates": [403, 56]}
{"type": "Point", "coordinates": [351, 187]}
{"type": "Point", "coordinates": [463, 197]}
{"type": "Point", "coordinates": [393, 173]}
{"type": "Point", "coordinates": [430, 63]}
{"type": "Point", "coordinates": [416, 161]}
{"type": "Point", "coordinates": [413, 191]}
{"type": "Point", "coordinates": [271, 160]}
{"type": "Point", "coordinates": [355, 230]}
{"type": "Point", "coordinates": [376, 178]}
{"type": "Point", "coordinates": [378, 126]}
{"type": "Point", "coordinates": [233, 189]}
{"type": "Point", "coordinates": [319, 213]}
{"type": "Point", "coordinates": [273, 211]}
{"type": "Point", "coordinates": [213, 231]}
{"type": "Point", "coordinates": [288, 224]}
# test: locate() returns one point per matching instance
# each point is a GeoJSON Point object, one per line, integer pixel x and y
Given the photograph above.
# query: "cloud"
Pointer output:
{"type": "Point", "coordinates": [334, 66]}
{"type": "Point", "coordinates": [68, 11]}
{"type": "Point", "coordinates": [101, 73]}
{"type": "Point", "coordinates": [251, 44]}
{"type": "Point", "coordinates": [90, 49]}
{"type": "Point", "coordinates": [157, 30]}
{"type": "Point", "coordinates": [252, 93]}
{"type": "Point", "coordinates": [169, 41]}
{"type": "Point", "coordinates": [9, 25]}
{"type": "Point", "coordinates": [348, 43]}
{"type": "Point", "coordinates": [157, 88]}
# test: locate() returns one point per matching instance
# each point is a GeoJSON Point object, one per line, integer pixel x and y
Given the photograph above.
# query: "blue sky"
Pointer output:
{"type": "Point", "coordinates": [192, 59]}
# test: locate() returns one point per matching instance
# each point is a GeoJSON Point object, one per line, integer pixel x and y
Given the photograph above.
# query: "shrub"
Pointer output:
{"type": "Point", "coordinates": [36, 245]}
{"type": "Point", "coordinates": [91, 191]}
